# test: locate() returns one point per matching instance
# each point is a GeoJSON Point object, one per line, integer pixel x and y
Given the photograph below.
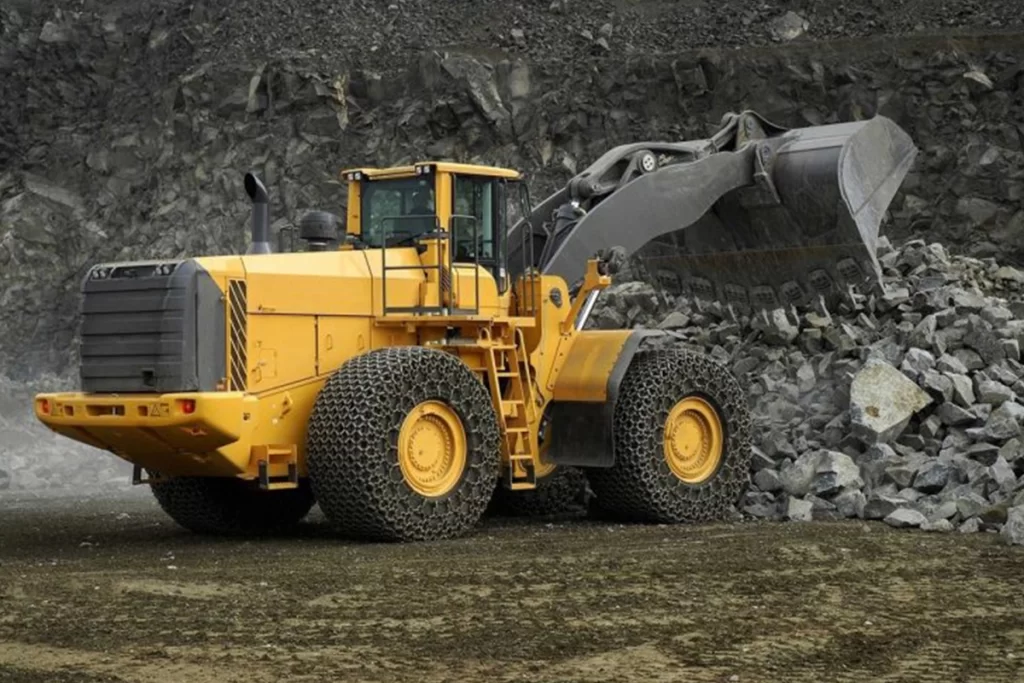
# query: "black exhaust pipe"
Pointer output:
{"type": "Point", "coordinates": [260, 215]}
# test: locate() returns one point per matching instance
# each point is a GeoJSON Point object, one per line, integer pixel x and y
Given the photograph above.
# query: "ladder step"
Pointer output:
{"type": "Point", "coordinates": [276, 486]}
{"type": "Point", "coordinates": [460, 341]}
{"type": "Point", "coordinates": [506, 374]}
{"type": "Point", "coordinates": [502, 347]}
{"type": "Point", "coordinates": [517, 430]}
{"type": "Point", "coordinates": [514, 483]}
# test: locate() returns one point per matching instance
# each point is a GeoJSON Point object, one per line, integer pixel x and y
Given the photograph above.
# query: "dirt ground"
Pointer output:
{"type": "Point", "coordinates": [107, 589]}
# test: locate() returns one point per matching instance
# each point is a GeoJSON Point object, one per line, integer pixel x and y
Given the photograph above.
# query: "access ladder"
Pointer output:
{"type": "Point", "coordinates": [516, 411]}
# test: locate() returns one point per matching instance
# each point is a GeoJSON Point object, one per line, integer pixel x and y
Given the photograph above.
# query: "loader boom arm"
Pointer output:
{"type": "Point", "coordinates": [756, 216]}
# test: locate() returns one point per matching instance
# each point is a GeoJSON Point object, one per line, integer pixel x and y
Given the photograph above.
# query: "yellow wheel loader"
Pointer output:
{"type": "Point", "coordinates": [432, 346]}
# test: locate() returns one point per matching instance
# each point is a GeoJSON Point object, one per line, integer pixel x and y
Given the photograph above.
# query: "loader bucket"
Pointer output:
{"type": "Point", "coordinates": [777, 219]}
{"type": "Point", "coordinates": [817, 235]}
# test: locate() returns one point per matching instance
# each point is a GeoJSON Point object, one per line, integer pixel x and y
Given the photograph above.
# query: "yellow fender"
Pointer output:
{"type": "Point", "coordinates": [585, 392]}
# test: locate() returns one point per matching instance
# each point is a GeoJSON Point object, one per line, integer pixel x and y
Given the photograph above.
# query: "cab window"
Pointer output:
{"type": "Point", "coordinates": [473, 209]}
{"type": "Point", "coordinates": [402, 207]}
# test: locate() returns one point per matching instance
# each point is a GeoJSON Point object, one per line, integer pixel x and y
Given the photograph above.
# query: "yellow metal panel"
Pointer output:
{"type": "Point", "coordinates": [544, 340]}
{"type": "Point", "coordinates": [443, 201]}
{"type": "Point", "coordinates": [157, 432]}
{"type": "Point", "coordinates": [587, 364]}
{"type": "Point", "coordinates": [311, 283]}
{"type": "Point", "coordinates": [222, 267]}
{"type": "Point", "coordinates": [393, 336]}
{"type": "Point", "coordinates": [372, 172]}
{"type": "Point", "coordinates": [282, 417]}
{"type": "Point", "coordinates": [534, 298]}
{"type": "Point", "coordinates": [354, 223]}
{"type": "Point", "coordinates": [403, 286]}
{"type": "Point", "coordinates": [339, 339]}
{"type": "Point", "coordinates": [439, 166]}
{"type": "Point", "coordinates": [473, 169]}
{"type": "Point", "coordinates": [465, 279]}
{"type": "Point", "coordinates": [216, 439]}
{"type": "Point", "coordinates": [282, 350]}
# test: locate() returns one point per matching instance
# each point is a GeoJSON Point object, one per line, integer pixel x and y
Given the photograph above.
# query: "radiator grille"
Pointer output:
{"type": "Point", "coordinates": [238, 340]}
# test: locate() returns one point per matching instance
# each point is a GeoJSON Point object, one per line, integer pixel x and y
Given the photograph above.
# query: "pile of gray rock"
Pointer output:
{"type": "Point", "coordinates": [904, 405]}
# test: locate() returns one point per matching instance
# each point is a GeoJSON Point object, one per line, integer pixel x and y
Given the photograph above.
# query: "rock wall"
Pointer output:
{"type": "Point", "coordinates": [127, 136]}
{"type": "Point", "coordinates": [127, 126]}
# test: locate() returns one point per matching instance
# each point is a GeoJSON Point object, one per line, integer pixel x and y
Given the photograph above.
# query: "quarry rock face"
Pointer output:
{"type": "Point", "coordinates": [126, 131]}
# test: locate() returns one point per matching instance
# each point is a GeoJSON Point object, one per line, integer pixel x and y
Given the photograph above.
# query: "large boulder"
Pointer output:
{"type": "Point", "coordinates": [882, 401]}
{"type": "Point", "coordinates": [1013, 531]}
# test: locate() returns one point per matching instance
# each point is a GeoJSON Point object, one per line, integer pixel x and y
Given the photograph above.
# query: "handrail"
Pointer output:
{"type": "Point", "coordinates": [526, 255]}
{"type": "Point", "coordinates": [385, 233]}
{"type": "Point", "coordinates": [453, 242]}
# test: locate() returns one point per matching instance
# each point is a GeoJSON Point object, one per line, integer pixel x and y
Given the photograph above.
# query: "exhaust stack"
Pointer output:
{"type": "Point", "coordinates": [260, 215]}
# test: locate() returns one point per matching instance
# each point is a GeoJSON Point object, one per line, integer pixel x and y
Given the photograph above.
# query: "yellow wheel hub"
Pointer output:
{"type": "Point", "coordinates": [693, 440]}
{"type": "Point", "coordinates": [432, 449]}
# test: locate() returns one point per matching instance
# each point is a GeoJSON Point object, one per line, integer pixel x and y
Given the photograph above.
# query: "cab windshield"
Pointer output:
{"type": "Point", "coordinates": [400, 209]}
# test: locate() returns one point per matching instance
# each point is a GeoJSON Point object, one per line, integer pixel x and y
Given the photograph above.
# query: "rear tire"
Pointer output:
{"type": "Point", "coordinates": [642, 485]}
{"type": "Point", "coordinates": [224, 506]}
{"type": "Point", "coordinates": [403, 445]}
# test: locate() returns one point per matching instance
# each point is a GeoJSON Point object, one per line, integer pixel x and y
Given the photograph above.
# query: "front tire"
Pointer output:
{"type": "Point", "coordinates": [403, 445]}
{"type": "Point", "coordinates": [682, 441]}
{"type": "Point", "coordinates": [228, 507]}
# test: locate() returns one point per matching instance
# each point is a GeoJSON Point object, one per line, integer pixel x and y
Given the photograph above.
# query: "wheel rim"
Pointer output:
{"type": "Point", "coordinates": [432, 449]}
{"type": "Point", "coordinates": [543, 469]}
{"type": "Point", "coordinates": [693, 440]}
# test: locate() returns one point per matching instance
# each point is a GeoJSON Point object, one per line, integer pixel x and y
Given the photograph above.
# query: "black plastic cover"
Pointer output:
{"type": "Point", "coordinates": [151, 327]}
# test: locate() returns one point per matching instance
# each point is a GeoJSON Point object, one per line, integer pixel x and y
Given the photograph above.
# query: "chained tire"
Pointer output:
{"type": "Point", "coordinates": [403, 445]}
{"type": "Point", "coordinates": [682, 441]}
{"type": "Point", "coordinates": [224, 506]}
{"type": "Point", "coordinates": [560, 492]}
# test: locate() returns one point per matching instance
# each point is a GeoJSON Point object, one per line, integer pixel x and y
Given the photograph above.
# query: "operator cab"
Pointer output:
{"type": "Point", "coordinates": [475, 205]}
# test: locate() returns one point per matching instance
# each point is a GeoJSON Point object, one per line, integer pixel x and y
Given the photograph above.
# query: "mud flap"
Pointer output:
{"type": "Point", "coordinates": [582, 433]}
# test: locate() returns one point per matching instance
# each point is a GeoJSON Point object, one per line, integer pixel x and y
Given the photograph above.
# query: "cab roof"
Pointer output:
{"type": "Point", "coordinates": [420, 167]}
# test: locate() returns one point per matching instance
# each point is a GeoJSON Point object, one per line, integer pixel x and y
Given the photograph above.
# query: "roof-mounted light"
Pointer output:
{"type": "Point", "coordinates": [165, 269]}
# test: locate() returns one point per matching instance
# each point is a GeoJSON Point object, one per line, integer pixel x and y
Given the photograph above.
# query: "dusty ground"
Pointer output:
{"type": "Point", "coordinates": [109, 590]}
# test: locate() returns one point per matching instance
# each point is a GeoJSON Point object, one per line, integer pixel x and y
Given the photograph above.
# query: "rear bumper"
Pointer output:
{"type": "Point", "coordinates": [202, 434]}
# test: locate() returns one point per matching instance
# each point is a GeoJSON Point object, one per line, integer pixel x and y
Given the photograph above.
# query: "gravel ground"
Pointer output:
{"type": "Point", "coordinates": [106, 589]}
